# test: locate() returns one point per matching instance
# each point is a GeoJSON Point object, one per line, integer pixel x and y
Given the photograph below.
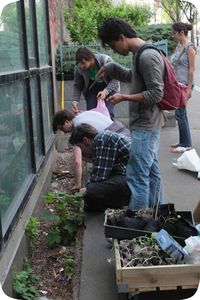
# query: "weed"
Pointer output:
{"type": "Point", "coordinates": [32, 231]}
{"type": "Point", "coordinates": [66, 219]}
{"type": "Point", "coordinates": [25, 283]}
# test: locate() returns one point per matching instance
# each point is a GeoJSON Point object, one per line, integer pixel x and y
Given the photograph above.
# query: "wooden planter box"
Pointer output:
{"type": "Point", "coordinates": [152, 278]}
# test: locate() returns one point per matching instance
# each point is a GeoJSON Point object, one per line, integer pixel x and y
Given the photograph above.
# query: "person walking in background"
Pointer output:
{"type": "Point", "coordinates": [87, 82]}
{"type": "Point", "coordinates": [183, 61]}
{"type": "Point", "coordinates": [107, 187]}
{"type": "Point", "coordinates": [143, 172]}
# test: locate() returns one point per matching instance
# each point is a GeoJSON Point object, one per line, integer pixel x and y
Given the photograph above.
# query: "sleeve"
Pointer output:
{"type": "Point", "coordinates": [152, 70]}
{"type": "Point", "coordinates": [78, 85]}
{"type": "Point", "coordinates": [118, 72]}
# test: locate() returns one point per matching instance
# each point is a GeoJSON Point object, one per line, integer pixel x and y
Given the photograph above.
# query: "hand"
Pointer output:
{"type": "Point", "coordinates": [75, 188]}
{"type": "Point", "coordinates": [116, 98]}
{"type": "Point", "coordinates": [101, 95]}
{"type": "Point", "coordinates": [101, 72]}
{"type": "Point", "coordinates": [75, 109]}
{"type": "Point", "coordinates": [83, 190]}
{"type": "Point", "coordinates": [189, 92]}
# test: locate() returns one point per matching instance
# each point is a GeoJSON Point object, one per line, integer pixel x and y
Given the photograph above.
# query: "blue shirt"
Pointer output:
{"type": "Point", "coordinates": [110, 156]}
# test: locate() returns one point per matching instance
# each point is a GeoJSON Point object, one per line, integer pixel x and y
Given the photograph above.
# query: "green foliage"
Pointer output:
{"type": "Point", "coordinates": [32, 231]}
{"type": "Point", "coordinates": [157, 32]}
{"type": "Point", "coordinates": [66, 217]}
{"type": "Point", "coordinates": [86, 16]}
{"type": "Point", "coordinates": [69, 264]}
{"type": "Point", "coordinates": [25, 283]}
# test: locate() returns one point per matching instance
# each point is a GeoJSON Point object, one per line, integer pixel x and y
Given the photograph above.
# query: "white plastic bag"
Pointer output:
{"type": "Point", "coordinates": [189, 160]}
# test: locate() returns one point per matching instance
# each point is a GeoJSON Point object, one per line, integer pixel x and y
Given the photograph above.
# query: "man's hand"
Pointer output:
{"type": "Point", "coordinates": [101, 95]}
{"type": "Point", "coordinates": [75, 109]}
{"type": "Point", "coordinates": [75, 188]}
{"type": "Point", "coordinates": [116, 98]}
{"type": "Point", "coordinates": [102, 72]}
{"type": "Point", "coordinates": [83, 190]}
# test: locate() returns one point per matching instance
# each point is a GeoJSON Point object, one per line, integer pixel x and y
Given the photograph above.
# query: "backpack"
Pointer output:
{"type": "Point", "coordinates": [174, 93]}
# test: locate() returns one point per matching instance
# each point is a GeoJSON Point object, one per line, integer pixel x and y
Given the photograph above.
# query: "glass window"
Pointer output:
{"type": "Point", "coordinates": [36, 119]}
{"type": "Point", "coordinates": [11, 50]}
{"type": "Point", "coordinates": [47, 105]}
{"type": "Point", "coordinates": [29, 31]}
{"type": "Point", "coordinates": [42, 32]}
{"type": "Point", "coordinates": [15, 160]}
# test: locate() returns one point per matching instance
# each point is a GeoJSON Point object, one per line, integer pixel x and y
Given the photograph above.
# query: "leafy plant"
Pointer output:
{"type": "Point", "coordinates": [32, 231]}
{"type": "Point", "coordinates": [85, 17]}
{"type": "Point", "coordinates": [69, 264]}
{"type": "Point", "coordinates": [25, 283]}
{"type": "Point", "coordinates": [67, 216]}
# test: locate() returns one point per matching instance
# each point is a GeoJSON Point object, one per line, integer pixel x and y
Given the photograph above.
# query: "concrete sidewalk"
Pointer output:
{"type": "Point", "coordinates": [181, 187]}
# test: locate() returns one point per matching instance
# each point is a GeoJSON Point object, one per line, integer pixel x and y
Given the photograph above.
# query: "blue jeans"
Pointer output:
{"type": "Point", "coordinates": [183, 126]}
{"type": "Point", "coordinates": [143, 172]}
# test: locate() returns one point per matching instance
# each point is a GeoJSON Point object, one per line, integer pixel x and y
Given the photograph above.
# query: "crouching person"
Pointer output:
{"type": "Point", "coordinates": [109, 151]}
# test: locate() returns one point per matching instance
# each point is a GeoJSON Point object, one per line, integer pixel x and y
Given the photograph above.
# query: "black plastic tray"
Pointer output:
{"type": "Point", "coordinates": [122, 233]}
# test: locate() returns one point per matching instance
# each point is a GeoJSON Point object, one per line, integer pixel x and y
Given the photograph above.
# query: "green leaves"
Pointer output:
{"type": "Point", "coordinates": [66, 217]}
{"type": "Point", "coordinates": [86, 16]}
{"type": "Point", "coordinates": [25, 283]}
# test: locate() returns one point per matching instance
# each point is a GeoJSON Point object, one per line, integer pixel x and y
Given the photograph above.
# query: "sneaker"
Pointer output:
{"type": "Point", "coordinates": [175, 145]}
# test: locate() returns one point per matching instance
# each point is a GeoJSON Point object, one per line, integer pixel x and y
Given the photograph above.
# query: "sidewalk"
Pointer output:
{"type": "Point", "coordinates": [181, 187]}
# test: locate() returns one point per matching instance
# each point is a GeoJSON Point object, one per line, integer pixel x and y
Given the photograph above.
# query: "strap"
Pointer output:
{"type": "Point", "coordinates": [141, 49]}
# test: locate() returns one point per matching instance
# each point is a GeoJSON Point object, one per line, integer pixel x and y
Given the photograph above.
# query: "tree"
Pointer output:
{"type": "Point", "coordinates": [86, 16]}
{"type": "Point", "coordinates": [177, 9]}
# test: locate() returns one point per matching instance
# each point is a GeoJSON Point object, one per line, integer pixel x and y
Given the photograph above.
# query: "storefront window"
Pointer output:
{"type": "Point", "coordinates": [11, 50]}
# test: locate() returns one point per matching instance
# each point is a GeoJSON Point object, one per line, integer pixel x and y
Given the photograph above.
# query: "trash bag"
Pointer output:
{"type": "Point", "coordinates": [190, 161]}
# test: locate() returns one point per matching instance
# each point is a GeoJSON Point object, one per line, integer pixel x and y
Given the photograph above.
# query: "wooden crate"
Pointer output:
{"type": "Point", "coordinates": [152, 278]}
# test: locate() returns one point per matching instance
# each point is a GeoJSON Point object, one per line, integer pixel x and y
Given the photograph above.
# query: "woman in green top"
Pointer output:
{"type": "Point", "coordinates": [87, 82]}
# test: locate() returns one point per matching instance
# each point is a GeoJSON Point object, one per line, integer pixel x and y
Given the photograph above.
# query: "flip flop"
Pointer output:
{"type": "Point", "coordinates": [175, 145]}
{"type": "Point", "coordinates": [180, 149]}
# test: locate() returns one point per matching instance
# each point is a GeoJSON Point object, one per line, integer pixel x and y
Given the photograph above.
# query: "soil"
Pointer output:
{"type": "Point", "coordinates": [48, 262]}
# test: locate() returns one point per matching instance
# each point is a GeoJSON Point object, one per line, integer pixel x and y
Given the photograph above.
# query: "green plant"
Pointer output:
{"type": "Point", "coordinates": [85, 17]}
{"type": "Point", "coordinates": [32, 231]}
{"type": "Point", "coordinates": [69, 264]}
{"type": "Point", "coordinates": [66, 217]}
{"type": "Point", "coordinates": [25, 283]}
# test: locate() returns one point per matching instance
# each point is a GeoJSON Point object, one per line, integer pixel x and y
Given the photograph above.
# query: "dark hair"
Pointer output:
{"type": "Point", "coordinates": [84, 53]}
{"type": "Point", "coordinates": [180, 26]}
{"type": "Point", "coordinates": [81, 131]}
{"type": "Point", "coordinates": [60, 118]}
{"type": "Point", "coordinates": [112, 28]}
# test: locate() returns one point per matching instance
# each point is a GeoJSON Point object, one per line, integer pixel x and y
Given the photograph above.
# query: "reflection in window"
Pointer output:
{"type": "Point", "coordinates": [47, 105]}
{"type": "Point", "coordinates": [42, 32]}
{"type": "Point", "coordinates": [14, 143]}
{"type": "Point", "coordinates": [11, 53]}
{"type": "Point", "coordinates": [36, 119]}
{"type": "Point", "coordinates": [29, 31]}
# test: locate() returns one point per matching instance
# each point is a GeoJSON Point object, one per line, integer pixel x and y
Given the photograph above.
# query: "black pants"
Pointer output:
{"type": "Point", "coordinates": [111, 193]}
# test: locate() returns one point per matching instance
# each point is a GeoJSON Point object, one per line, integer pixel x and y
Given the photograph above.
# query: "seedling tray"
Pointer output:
{"type": "Point", "coordinates": [122, 233]}
{"type": "Point", "coordinates": [153, 278]}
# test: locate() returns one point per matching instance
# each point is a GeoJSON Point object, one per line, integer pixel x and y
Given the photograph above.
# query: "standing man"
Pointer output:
{"type": "Point", "coordinates": [107, 187]}
{"type": "Point", "coordinates": [146, 90]}
{"type": "Point", "coordinates": [87, 82]}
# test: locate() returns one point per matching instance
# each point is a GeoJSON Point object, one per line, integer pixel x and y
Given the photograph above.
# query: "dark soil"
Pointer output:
{"type": "Point", "coordinates": [48, 262]}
